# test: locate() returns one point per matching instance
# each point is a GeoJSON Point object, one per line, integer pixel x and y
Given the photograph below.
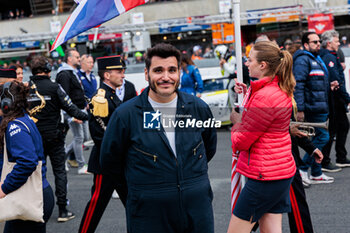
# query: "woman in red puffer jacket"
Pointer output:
{"type": "Point", "coordinates": [261, 135]}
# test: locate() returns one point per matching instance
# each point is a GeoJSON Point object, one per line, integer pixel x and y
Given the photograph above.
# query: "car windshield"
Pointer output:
{"type": "Point", "coordinates": [218, 84]}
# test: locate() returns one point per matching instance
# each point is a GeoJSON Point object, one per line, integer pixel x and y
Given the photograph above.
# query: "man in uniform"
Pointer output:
{"type": "Point", "coordinates": [164, 167]}
{"type": "Point", "coordinates": [111, 72]}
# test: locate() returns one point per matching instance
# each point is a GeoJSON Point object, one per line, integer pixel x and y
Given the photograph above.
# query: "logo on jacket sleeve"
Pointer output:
{"type": "Point", "coordinates": [14, 129]}
{"type": "Point", "coordinates": [331, 64]}
{"type": "Point", "coordinates": [151, 120]}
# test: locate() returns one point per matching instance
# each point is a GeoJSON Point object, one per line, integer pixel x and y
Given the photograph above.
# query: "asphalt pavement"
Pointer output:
{"type": "Point", "coordinates": [329, 203]}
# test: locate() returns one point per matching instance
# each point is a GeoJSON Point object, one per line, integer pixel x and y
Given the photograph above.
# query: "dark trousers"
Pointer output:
{"type": "Point", "coordinates": [54, 148]}
{"type": "Point", "coordinates": [101, 193]}
{"type": "Point", "coordinates": [19, 226]}
{"type": "Point", "coordinates": [299, 218]}
{"type": "Point", "coordinates": [338, 127]}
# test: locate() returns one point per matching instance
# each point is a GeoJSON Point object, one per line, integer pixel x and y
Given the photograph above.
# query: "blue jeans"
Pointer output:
{"type": "Point", "coordinates": [79, 136]}
{"type": "Point", "coordinates": [319, 140]}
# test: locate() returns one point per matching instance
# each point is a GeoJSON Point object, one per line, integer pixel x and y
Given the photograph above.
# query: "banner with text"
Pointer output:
{"type": "Point", "coordinates": [320, 23]}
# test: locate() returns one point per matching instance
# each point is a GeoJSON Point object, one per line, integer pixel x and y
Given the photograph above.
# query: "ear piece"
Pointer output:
{"type": "Point", "coordinates": [6, 102]}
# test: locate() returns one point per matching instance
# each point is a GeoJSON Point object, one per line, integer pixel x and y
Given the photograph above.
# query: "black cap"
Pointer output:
{"type": "Point", "coordinates": [8, 73]}
{"type": "Point", "coordinates": [110, 63]}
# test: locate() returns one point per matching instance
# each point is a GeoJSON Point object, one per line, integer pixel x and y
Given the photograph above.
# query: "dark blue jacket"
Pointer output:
{"type": "Point", "coordinates": [90, 86]}
{"type": "Point", "coordinates": [311, 75]}
{"type": "Point", "coordinates": [25, 148]}
{"type": "Point", "coordinates": [161, 186]}
{"type": "Point", "coordinates": [336, 72]}
{"type": "Point", "coordinates": [191, 80]}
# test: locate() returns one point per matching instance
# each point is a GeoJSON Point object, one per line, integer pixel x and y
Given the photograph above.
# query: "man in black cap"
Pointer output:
{"type": "Point", "coordinates": [105, 101]}
{"type": "Point", "coordinates": [7, 75]}
{"type": "Point", "coordinates": [46, 100]}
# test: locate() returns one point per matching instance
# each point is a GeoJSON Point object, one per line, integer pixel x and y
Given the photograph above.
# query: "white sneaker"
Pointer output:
{"type": "Point", "coordinates": [305, 177]}
{"type": "Point", "coordinates": [115, 195]}
{"type": "Point", "coordinates": [89, 143]}
{"type": "Point", "coordinates": [322, 179]}
{"type": "Point", "coordinates": [83, 170]}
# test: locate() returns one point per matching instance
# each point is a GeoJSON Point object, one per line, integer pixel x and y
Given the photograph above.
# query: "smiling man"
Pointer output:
{"type": "Point", "coordinates": [164, 167]}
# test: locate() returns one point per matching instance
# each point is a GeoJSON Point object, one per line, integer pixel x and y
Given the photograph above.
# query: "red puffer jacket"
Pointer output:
{"type": "Point", "coordinates": [263, 136]}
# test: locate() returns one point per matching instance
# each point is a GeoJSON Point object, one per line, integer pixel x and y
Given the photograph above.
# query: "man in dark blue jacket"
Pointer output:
{"type": "Point", "coordinates": [158, 144]}
{"type": "Point", "coordinates": [311, 95]}
{"type": "Point", "coordinates": [339, 100]}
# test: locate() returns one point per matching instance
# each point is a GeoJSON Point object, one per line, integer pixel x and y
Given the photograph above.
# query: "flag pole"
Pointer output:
{"type": "Point", "coordinates": [95, 36]}
{"type": "Point", "coordinates": [238, 45]}
{"type": "Point", "coordinates": [237, 180]}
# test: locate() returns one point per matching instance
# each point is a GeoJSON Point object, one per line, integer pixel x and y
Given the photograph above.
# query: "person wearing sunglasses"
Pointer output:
{"type": "Point", "coordinates": [311, 96]}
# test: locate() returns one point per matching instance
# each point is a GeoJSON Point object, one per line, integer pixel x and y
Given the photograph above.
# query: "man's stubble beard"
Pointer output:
{"type": "Point", "coordinates": [152, 85]}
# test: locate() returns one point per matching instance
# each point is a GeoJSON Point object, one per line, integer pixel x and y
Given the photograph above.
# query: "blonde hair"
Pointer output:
{"type": "Point", "coordinates": [280, 63]}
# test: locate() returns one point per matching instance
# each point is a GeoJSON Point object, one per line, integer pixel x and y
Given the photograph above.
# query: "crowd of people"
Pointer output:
{"type": "Point", "coordinates": [160, 171]}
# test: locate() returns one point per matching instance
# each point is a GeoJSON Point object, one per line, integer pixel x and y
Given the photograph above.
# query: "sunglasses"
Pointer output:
{"type": "Point", "coordinates": [316, 41]}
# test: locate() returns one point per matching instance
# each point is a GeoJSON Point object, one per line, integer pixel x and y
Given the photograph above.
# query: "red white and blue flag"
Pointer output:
{"type": "Point", "coordinates": [91, 13]}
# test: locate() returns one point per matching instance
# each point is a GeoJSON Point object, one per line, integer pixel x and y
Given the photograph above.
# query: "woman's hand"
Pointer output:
{"type": "Point", "coordinates": [240, 88]}
{"type": "Point", "coordinates": [235, 117]}
{"type": "Point", "coordinates": [2, 194]}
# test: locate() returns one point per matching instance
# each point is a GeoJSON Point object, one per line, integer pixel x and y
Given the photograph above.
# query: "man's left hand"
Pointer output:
{"type": "Point", "coordinates": [318, 156]}
{"type": "Point", "coordinates": [334, 85]}
{"type": "Point", "coordinates": [295, 132]}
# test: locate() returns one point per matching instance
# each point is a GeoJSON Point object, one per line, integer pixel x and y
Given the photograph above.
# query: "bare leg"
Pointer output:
{"type": "Point", "coordinates": [271, 223]}
{"type": "Point", "coordinates": [238, 225]}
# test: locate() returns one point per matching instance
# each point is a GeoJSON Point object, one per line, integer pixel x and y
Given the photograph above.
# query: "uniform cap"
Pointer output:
{"type": "Point", "coordinates": [110, 63]}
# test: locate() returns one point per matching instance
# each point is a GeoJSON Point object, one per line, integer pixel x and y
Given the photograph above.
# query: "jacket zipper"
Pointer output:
{"type": "Point", "coordinates": [195, 149]}
{"type": "Point", "coordinates": [148, 154]}
{"type": "Point", "coordinates": [249, 156]}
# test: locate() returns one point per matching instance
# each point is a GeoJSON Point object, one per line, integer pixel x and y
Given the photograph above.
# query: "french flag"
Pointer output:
{"type": "Point", "coordinates": [91, 13]}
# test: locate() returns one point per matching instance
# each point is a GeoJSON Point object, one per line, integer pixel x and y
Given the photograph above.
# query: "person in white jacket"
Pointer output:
{"type": "Point", "coordinates": [227, 60]}
{"type": "Point", "coordinates": [228, 68]}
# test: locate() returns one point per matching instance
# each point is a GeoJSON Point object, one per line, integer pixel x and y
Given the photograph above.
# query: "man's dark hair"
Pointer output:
{"type": "Point", "coordinates": [101, 74]}
{"type": "Point", "coordinates": [305, 38]}
{"type": "Point", "coordinates": [68, 53]}
{"type": "Point", "coordinates": [164, 51]}
{"type": "Point", "coordinates": [38, 64]}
